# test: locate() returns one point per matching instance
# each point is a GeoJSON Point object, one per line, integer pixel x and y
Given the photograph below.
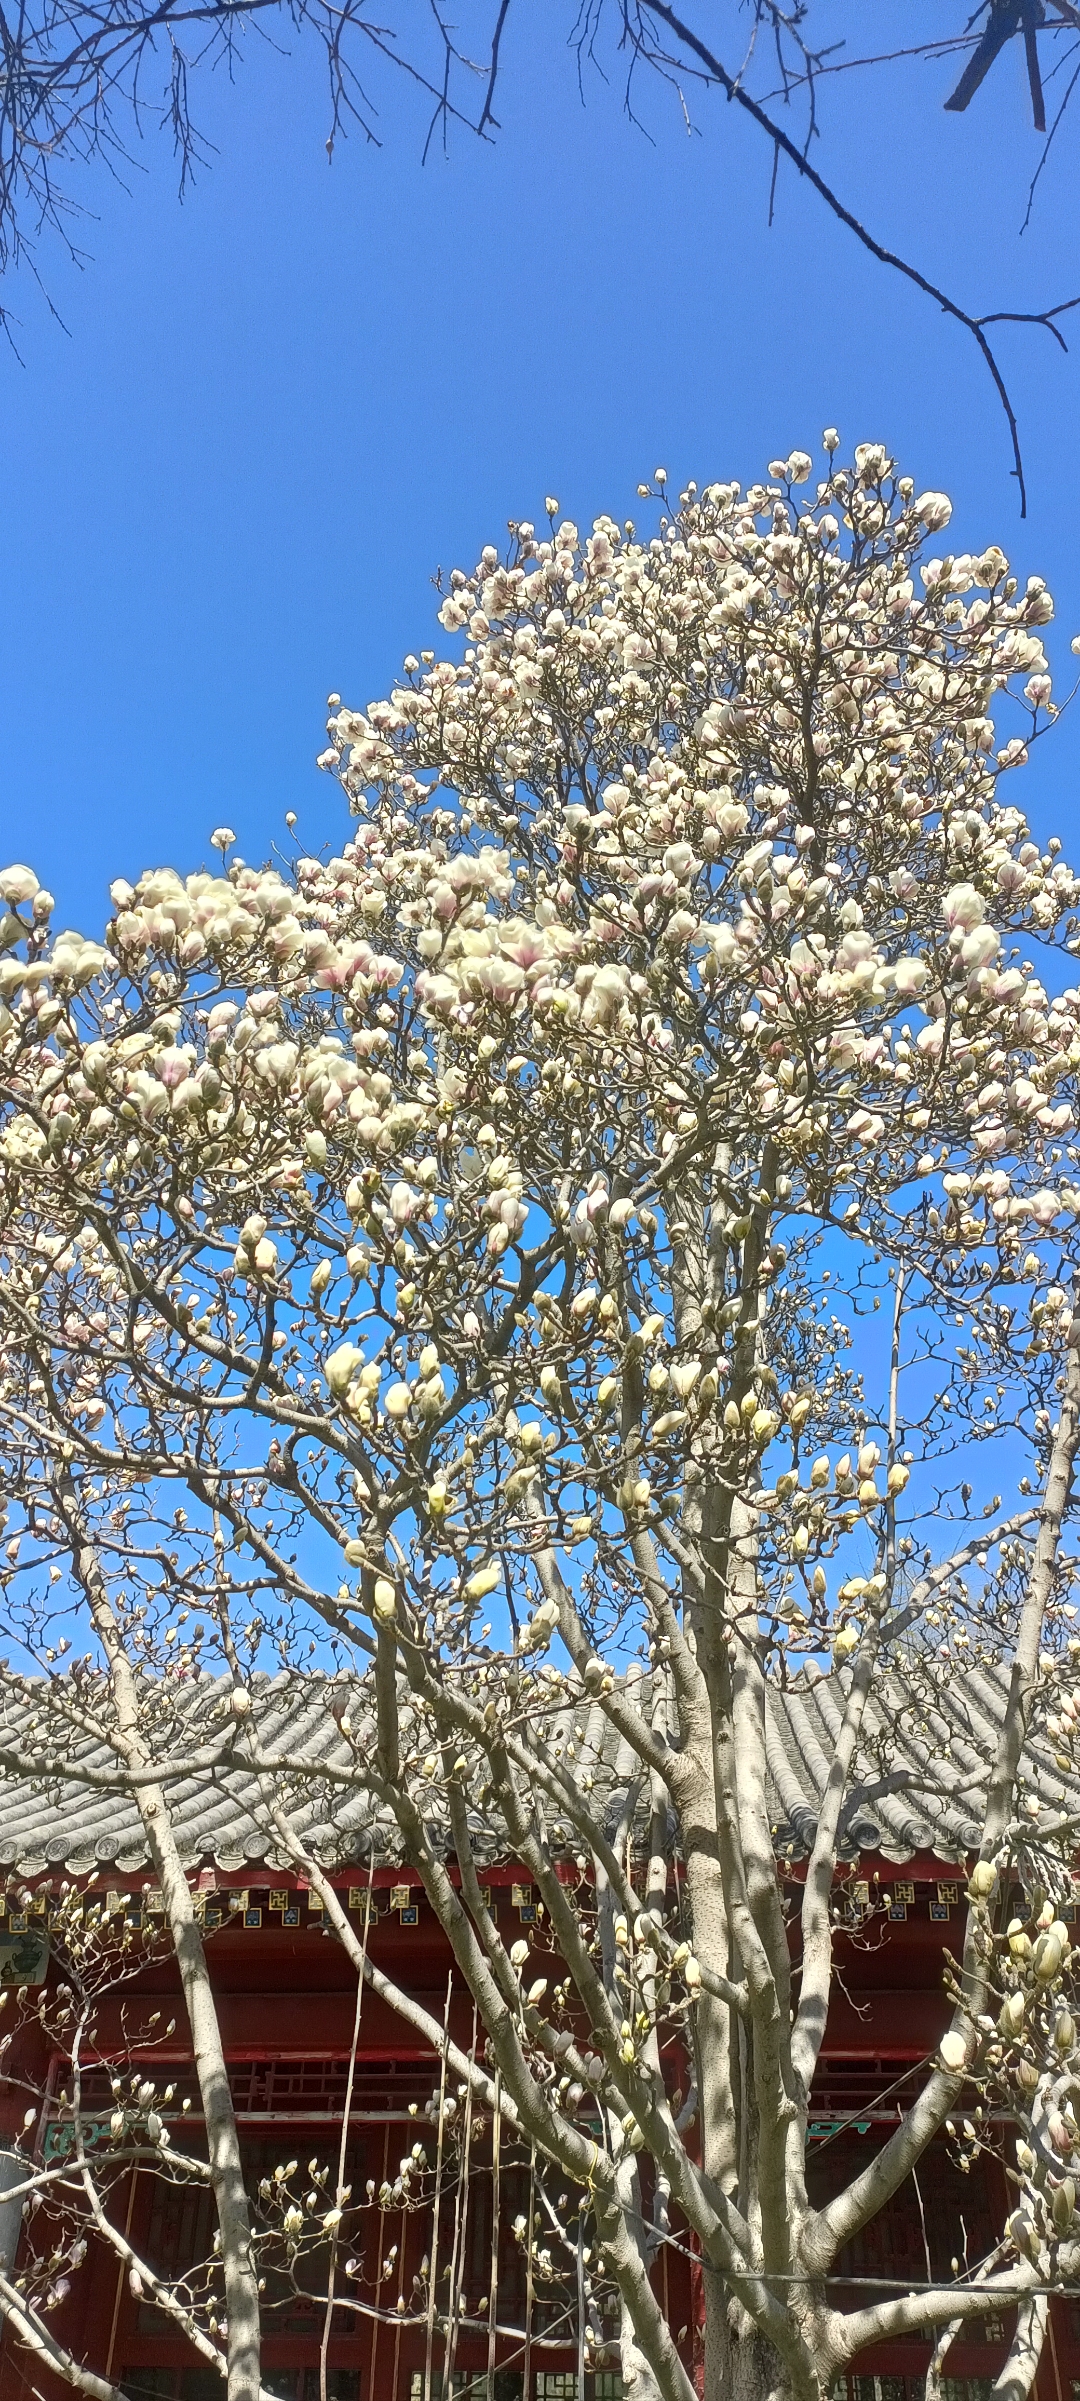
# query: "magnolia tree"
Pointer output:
{"type": "Point", "coordinates": [599, 1243]}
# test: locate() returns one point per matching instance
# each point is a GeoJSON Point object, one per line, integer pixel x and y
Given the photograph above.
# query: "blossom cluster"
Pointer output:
{"type": "Point", "coordinates": [690, 891]}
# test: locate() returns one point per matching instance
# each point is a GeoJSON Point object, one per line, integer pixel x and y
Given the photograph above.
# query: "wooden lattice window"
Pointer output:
{"type": "Point", "coordinates": [204, 2384]}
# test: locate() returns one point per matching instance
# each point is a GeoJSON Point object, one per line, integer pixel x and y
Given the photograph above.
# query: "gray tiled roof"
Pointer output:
{"type": "Point", "coordinates": [918, 1784]}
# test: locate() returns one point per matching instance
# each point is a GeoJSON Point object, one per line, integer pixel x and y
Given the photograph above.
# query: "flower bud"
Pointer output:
{"type": "Point", "coordinates": [933, 509]}
{"type": "Point", "coordinates": [1020, 2229]}
{"type": "Point", "coordinates": [340, 1368]}
{"type": "Point", "coordinates": [16, 884]}
{"type": "Point", "coordinates": [1046, 1957]}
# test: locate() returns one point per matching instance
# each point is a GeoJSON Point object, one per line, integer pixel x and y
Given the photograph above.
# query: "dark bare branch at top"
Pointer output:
{"type": "Point", "coordinates": [82, 81]}
{"type": "Point", "coordinates": [707, 62]}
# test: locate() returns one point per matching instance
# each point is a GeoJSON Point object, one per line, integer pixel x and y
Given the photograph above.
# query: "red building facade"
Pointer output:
{"type": "Point", "coordinates": [420, 2310]}
{"type": "Point", "coordinates": [286, 1995]}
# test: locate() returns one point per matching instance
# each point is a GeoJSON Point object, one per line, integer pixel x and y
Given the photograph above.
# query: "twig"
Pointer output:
{"type": "Point", "coordinates": [486, 118]}
{"type": "Point", "coordinates": [975, 326]}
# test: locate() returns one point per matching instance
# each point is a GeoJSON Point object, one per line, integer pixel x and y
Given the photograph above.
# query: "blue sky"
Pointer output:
{"type": "Point", "coordinates": [273, 411]}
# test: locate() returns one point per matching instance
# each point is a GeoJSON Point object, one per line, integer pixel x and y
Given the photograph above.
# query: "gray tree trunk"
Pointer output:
{"type": "Point", "coordinates": [739, 2364]}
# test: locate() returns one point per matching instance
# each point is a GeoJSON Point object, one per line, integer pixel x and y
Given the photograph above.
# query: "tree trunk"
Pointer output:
{"type": "Point", "coordinates": [639, 2383]}
{"type": "Point", "coordinates": [243, 2338]}
{"type": "Point", "coordinates": [739, 2365]}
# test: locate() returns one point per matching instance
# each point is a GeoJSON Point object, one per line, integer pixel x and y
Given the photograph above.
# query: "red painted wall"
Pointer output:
{"type": "Point", "coordinates": [287, 1995]}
